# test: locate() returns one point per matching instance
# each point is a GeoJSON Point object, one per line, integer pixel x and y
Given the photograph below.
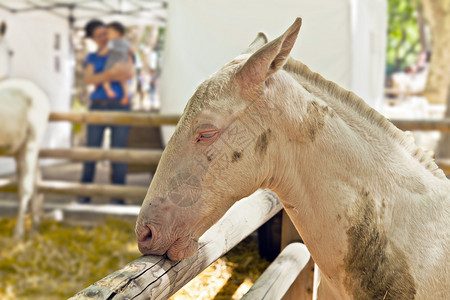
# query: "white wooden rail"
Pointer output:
{"type": "Point", "coordinates": [444, 164]}
{"type": "Point", "coordinates": [148, 119]}
{"type": "Point", "coordinates": [154, 277]}
{"type": "Point", "coordinates": [279, 276]}
{"type": "Point", "coordinates": [80, 189]}
{"type": "Point", "coordinates": [115, 118]}
{"type": "Point", "coordinates": [151, 119]}
{"type": "Point", "coordinates": [423, 125]}
{"type": "Point", "coordinates": [92, 190]}
{"type": "Point", "coordinates": [136, 156]}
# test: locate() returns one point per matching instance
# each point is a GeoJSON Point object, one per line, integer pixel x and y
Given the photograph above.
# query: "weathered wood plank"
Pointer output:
{"type": "Point", "coordinates": [80, 189]}
{"type": "Point", "coordinates": [8, 185]}
{"type": "Point", "coordinates": [302, 287]}
{"type": "Point", "coordinates": [424, 125]}
{"type": "Point", "coordinates": [146, 157]}
{"type": "Point", "coordinates": [137, 156]}
{"type": "Point", "coordinates": [317, 275]}
{"type": "Point", "coordinates": [153, 277]}
{"type": "Point", "coordinates": [397, 92]}
{"type": "Point", "coordinates": [278, 277]}
{"type": "Point", "coordinates": [153, 119]}
{"type": "Point", "coordinates": [115, 118]}
{"type": "Point", "coordinates": [444, 164]}
{"type": "Point", "coordinates": [92, 190]}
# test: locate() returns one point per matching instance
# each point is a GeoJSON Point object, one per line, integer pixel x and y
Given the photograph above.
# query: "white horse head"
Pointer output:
{"type": "Point", "coordinates": [5, 53]}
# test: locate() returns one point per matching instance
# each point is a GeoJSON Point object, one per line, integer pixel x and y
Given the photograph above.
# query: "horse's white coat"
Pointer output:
{"type": "Point", "coordinates": [372, 208]}
{"type": "Point", "coordinates": [24, 110]}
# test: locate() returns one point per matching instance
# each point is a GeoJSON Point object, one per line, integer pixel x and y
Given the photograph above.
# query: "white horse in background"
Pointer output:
{"type": "Point", "coordinates": [24, 110]}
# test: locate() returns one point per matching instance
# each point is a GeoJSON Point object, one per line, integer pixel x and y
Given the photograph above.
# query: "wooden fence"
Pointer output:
{"type": "Point", "coordinates": [116, 118]}
{"type": "Point", "coordinates": [154, 277]}
{"type": "Point", "coordinates": [423, 125]}
{"type": "Point", "coordinates": [150, 157]}
{"type": "Point", "coordinates": [427, 125]}
{"type": "Point", "coordinates": [137, 156]}
{"type": "Point", "coordinates": [153, 156]}
{"type": "Point", "coordinates": [147, 157]}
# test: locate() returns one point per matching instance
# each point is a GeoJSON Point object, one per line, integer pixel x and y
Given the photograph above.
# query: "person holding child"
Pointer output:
{"type": "Point", "coordinates": [109, 69]}
{"type": "Point", "coordinates": [118, 51]}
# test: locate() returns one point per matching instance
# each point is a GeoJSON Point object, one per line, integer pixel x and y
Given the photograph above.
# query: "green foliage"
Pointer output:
{"type": "Point", "coordinates": [403, 34]}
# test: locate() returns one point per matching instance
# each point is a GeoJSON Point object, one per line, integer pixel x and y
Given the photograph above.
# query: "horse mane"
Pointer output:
{"type": "Point", "coordinates": [319, 86]}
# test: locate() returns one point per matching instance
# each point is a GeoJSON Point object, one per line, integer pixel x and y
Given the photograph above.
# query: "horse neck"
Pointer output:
{"type": "Point", "coordinates": [329, 165]}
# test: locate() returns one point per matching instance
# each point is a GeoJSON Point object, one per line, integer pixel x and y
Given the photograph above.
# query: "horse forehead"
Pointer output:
{"type": "Point", "coordinates": [213, 93]}
{"type": "Point", "coordinates": [212, 88]}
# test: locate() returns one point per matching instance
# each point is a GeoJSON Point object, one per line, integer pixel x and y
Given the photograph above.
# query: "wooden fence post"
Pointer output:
{"type": "Point", "coordinates": [157, 278]}
{"type": "Point", "coordinates": [302, 288]}
{"type": "Point", "coordinates": [279, 276]}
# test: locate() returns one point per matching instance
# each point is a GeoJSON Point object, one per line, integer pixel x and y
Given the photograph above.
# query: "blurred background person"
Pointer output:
{"type": "Point", "coordinates": [97, 74]}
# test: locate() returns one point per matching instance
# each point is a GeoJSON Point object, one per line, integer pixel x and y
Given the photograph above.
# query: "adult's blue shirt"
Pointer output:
{"type": "Point", "coordinates": [99, 63]}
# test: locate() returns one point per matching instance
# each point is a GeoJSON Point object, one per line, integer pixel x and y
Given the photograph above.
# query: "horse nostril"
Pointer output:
{"type": "Point", "coordinates": [149, 234]}
{"type": "Point", "coordinates": [145, 235]}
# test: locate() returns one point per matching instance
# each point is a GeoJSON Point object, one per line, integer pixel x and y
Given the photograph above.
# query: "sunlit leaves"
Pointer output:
{"type": "Point", "coordinates": [403, 34]}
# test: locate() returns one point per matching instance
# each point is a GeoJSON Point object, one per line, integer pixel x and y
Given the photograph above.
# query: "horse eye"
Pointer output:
{"type": "Point", "coordinates": [207, 135]}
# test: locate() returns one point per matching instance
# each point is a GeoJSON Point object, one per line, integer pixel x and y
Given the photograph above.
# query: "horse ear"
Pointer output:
{"type": "Point", "coordinates": [258, 42]}
{"type": "Point", "coordinates": [2, 28]}
{"type": "Point", "coordinates": [268, 59]}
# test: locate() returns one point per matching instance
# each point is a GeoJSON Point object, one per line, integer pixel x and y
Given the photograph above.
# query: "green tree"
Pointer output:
{"type": "Point", "coordinates": [403, 34]}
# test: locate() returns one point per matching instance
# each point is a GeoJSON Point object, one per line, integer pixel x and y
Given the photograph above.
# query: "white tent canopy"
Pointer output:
{"type": "Point", "coordinates": [130, 12]}
{"type": "Point", "coordinates": [343, 40]}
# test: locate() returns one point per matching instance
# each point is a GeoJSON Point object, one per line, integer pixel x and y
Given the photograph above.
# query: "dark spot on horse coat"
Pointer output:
{"type": "Point", "coordinates": [262, 142]}
{"type": "Point", "coordinates": [375, 267]}
{"type": "Point", "coordinates": [315, 119]}
{"type": "Point", "coordinates": [236, 156]}
{"type": "Point", "coordinates": [383, 208]}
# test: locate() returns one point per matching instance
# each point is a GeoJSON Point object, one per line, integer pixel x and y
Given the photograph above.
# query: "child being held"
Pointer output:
{"type": "Point", "coordinates": [119, 51]}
